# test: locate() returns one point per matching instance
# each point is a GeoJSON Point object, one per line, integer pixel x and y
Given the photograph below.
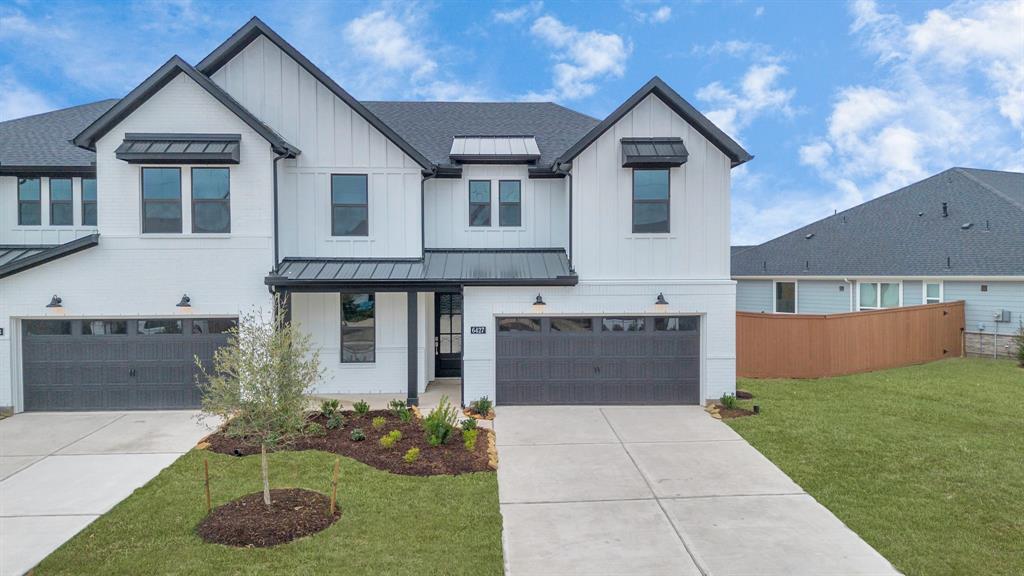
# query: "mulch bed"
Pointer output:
{"type": "Point", "coordinates": [729, 413]}
{"type": "Point", "coordinates": [744, 395]}
{"type": "Point", "coordinates": [449, 458]}
{"type": "Point", "coordinates": [247, 522]}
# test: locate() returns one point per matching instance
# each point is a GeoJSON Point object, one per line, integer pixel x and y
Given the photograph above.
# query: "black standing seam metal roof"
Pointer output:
{"type": "Point", "coordinates": [150, 86]}
{"type": "Point", "coordinates": [904, 233]}
{"type": "Point", "coordinates": [653, 152]}
{"type": "Point", "coordinates": [42, 143]}
{"type": "Point", "coordinates": [14, 258]}
{"type": "Point", "coordinates": [180, 148]}
{"type": "Point", "coordinates": [496, 267]}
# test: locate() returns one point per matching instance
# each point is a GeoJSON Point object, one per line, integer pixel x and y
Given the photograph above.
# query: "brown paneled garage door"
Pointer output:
{"type": "Point", "coordinates": [598, 360]}
{"type": "Point", "coordinates": [116, 364]}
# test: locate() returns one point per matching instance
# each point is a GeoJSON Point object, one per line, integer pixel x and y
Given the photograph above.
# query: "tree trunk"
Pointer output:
{"type": "Point", "coordinates": [266, 477]}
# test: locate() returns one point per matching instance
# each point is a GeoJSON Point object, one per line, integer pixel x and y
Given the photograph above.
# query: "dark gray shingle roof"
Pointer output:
{"type": "Point", "coordinates": [45, 139]}
{"type": "Point", "coordinates": [904, 233]}
{"type": "Point", "coordinates": [430, 127]}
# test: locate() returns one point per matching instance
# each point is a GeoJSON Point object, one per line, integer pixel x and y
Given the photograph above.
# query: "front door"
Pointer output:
{"type": "Point", "coordinates": [447, 335]}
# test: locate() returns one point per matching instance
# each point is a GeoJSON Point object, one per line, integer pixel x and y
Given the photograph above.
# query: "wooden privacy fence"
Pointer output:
{"type": "Point", "coordinates": [819, 345]}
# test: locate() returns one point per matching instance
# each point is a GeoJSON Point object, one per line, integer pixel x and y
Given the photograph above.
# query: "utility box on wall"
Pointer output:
{"type": "Point", "coordinates": [1002, 316]}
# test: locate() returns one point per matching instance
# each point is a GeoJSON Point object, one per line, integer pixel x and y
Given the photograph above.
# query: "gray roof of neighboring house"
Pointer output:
{"type": "Point", "coordinates": [904, 233]}
{"type": "Point", "coordinates": [480, 267]}
{"type": "Point", "coordinates": [44, 140]}
{"type": "Point", "coordinates": [431, 127]}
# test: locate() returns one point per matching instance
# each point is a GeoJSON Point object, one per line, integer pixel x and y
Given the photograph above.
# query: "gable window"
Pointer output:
{"type": "Point", "coordinates": [932, 292]}
{"type": "Point", "coordinates": [29, 207]}
{"type": "Point", "coordinates": [510, 203]}
{"type": "Point", "coordinates": [875, 295]}
{"type": "Point", "coordinates": [650, 201]}
{"type": "Point", "coordinates": [161, 200]}
{"type": "Point", "coordinates": [61, 211]}
{"type": "Point", "coordinates": [785, 297]}
{"type": "Point", "coordinates": [350, 208]}
{"type": "Point", "coordinates": [88, 201]}
{"type": "Point", "coordinates": [358, 328]}
{"type": "Point", "coordinates": [211, 200]}
{"type": "Point", "coordinates": [479, 202]}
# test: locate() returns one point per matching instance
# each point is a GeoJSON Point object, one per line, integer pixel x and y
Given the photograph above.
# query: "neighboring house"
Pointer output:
{"type": "Point", "coordinates": [540, 255]}
{"type": "Point", "coordinates": [958, 235]}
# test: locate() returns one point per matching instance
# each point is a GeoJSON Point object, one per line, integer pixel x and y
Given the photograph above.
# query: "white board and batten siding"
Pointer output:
{"type": "Point", "coordinates": [604, 246]}
{"type": "Point", "coordinates": [545, 211]}
{"type": "Point", "coordinates": [334, 139]}
{"type": "Point", "coordinates": [45, 233]}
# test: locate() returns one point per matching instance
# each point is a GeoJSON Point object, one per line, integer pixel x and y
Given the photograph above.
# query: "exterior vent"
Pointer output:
{"type": "Point", "coordinates": [809, 236]}
{"type": "Point", "coordinates": [966, 225]}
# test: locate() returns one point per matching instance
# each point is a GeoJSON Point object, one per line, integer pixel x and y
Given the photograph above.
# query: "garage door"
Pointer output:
{"type": "Point", "coordinates": [116, 364]}
{"type": "Point", "coordinates": [598, 360]}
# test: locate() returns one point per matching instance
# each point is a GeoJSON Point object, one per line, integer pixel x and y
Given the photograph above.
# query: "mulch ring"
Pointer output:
{"type": "Point", "coordinates": [471, 414]}
{"type": "Point", "coordinates": [448, 458]}
{"type": "Point", "coordinates": [722, 413]}
{"type": "Point", "coordinates": [247, 522]}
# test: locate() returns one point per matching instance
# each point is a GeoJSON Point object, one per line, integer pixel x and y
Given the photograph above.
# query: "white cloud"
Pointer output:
{"type": "Point", "coordinates": [759, 11]}
{"type": "Point", "coordinates": [581, 58]}
{"type": "Point", "coordinates": [758, 92]}
{"type": "Point", "coordinates": [519, 14]}
{"type": "Point", "coordinates": [662, 14]}
{"type": "Point", "coordinates": [648, 12]}
{"type": "Point", "coordinates": [18, 100]}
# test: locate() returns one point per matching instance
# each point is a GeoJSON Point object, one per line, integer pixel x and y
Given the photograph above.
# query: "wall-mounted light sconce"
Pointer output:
{"type": "Point", "coordinates": [539, 304]}
{"type": "Point", "coordinates": [661, 300]}
{"type": "Point", "coordinates": [55, 302]}
{"type": "Point", "coordinates": [185, 302]}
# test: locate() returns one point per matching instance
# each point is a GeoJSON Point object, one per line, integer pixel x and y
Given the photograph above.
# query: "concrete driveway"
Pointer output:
{"type": "Point", "coordinates": [657, 490]}
{"type": "Point", "coordinates": [60, 471]}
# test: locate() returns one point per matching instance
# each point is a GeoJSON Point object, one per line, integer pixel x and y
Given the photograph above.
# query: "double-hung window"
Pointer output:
{"type": "Point", "coordinates": [161, 200]}
{"type": "Point", "coordinates": [875, 295]}
{"type": "Point", "coordinates": [479, 202]}
{"type": "Point", "coordinates": [650, 201]}
{"type": "Point", "coordinates": [88, 201]}
{"type": "Point", "coordinates": [211, 200]}
{"type": "Point", "coordinates": [29, 205]}
{"type": "Point", "coordinates": [350, 208]}
{"type": "Point", "coordinates": [358, 328]}
{"type": "Point", "coordinates": [932, 292]}
{"type": "Point", "coordinates": [61, 201]}
{"type": "Point", "coordinates": [785, 297]}
{"type": "Point", "coordinates": [510, 203]}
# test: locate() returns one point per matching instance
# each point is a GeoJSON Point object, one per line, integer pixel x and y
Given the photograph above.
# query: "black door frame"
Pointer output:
{"type": "Point", "coordinates": [453, 361]}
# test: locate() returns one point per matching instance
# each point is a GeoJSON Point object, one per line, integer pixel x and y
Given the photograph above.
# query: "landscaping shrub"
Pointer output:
{"type": "Point", "coordinates": [358, 435]}
{"type": "Point", "coordinates": [329, 408]}
{"type": "Point", "coordinates": [438, 425]}
{"type": "Point", "coordinates": [729, 401]}
{"type": "Point", "coordinates": [482, 406]}
{"type": "Point", "coordinates": [391, 438]}
{"type": "Point", "coordinates": [469, 424]}
{"type": "Point", "coordinates": [405, 414]}
{"type": "Point", "coordinates": [361, 407]}
{"type": "Point", "coordinates": [1019, 339]}
{"type": "Point", "coordinates": [335, 421]}
{"type": "Point", "coordinates": [378, 422]}
{"type": "Point", "coordinates": [315, 429]}
{"type": "Point", "coordinates": [469, 439]}
{"type": "Point", "coordinates": [399, 409]}
{"type": "Point", "coordinates": [411, 455]}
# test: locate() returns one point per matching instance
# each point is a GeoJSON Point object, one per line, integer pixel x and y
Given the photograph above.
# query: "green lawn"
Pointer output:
{"type": "Point", "coordinates": [926, 463]}
{"type": "Point", "coordinates": [390, 524]}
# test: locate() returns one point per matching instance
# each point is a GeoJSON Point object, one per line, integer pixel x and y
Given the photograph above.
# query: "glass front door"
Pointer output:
{"type": "Point", "coordinates": [448, 335]}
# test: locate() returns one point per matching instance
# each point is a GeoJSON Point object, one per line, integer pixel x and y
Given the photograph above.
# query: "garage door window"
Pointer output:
{"type": "Point", "coordinates": [155, 327]}
{"type": "Point", "coordinates": [676, 324]}
{"type": "Point", "coordinates": [104, 327]}
{"type": "Point", "coordinates": [622, 324]}
{"type": "Point", "coordinates": [47, 327]}
{"type": "Point", "coordinates": [213, 325]}
{"type": "Point", "coordinates": [572, 325]}
{"type": "Point", "coordinates": [518, 325]}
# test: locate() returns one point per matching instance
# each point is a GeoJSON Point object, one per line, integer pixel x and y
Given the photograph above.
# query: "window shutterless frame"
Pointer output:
{"type": "Point", "coordinates": [358, 206]}
{"type": "Point", "coordinates": [89, 202]}
{"type": "Point", "coordinates": [510, 203]}
{"type": "Point", "coordinates": [371, 352]}
{"type": "Point", "coordinates": [934, 299]}
{"type": "Point", "coordinates": [199, 204]}
{"type": "Point", "coordinates": [168, 202]}
{"type": "Point", "coordinates": [667, 201]}
{"type": "Point", "coordinates": [62, 200]}
{"type": "Point", "coordinates": [30, 202]}
{"type": "Point", "coordinates": [796, 297]}
{"type": "Point", "coordinates": [480, 209]}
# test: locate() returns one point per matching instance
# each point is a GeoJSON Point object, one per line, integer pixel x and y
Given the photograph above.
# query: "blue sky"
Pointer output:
{"type": "Point", "coordinates": [839, 102]}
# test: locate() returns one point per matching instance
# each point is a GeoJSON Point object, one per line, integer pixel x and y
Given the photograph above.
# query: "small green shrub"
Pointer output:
{"type": "Point", "coordinates": [361, 407]}
{"type": "Point", "coordinates": [335, 421]}
{"type": "Point", "coordinates": [469, 424]}
{"type": "Point", "coordinates": [729, 401]}
{"type": "Point", "coordinates": [315, 429]}
{"type": "Point", "coordinates": [411, 455]}
{"type": "Point", "coordinates": [378, 422]}
{"type": "Point", "coordinates": [395, 406]}
{"type": "Point", "coordinates": [469, 439]}
{"type": "Point", "coordinates": [482, 406]}
{"type": "Point", "coordinates": [405, 415]}
{"type": "Point", "coordinates": [329, 408]}
{"type": "Point", "coordinates": [358, 435]}
{"type": "Point", "coordinates": [391, 438]}
{"type": "Point", "coordinates": [439, 424]}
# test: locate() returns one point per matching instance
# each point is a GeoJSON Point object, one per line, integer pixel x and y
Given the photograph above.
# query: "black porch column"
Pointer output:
{"type": "Point", "coordinates": [413, 396]}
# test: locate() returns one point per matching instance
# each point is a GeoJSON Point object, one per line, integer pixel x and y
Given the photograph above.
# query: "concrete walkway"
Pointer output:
{"type": "Point", "coordinates": [60, 471]}
{"type": "Point", "coordinates": [657, 490]}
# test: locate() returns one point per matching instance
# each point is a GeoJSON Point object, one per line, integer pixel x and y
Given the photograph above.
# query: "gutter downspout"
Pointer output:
{"type": "Point", "coordinates": [277, 251]}
{"type": "Point", "coordinates": [568, 174]}
{"type": "Point", "coordinates": [850, 283]}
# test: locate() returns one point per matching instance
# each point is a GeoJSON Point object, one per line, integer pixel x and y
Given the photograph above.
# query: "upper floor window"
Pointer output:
{"type": "Point", "coordinates": [874, 295]}
{"type": "Point", "coordinates": [785, 297]}
{"type": "Point", "coordinates": [161, 200]}
{"type": "Point", "coordinates": [88, 201]}
{"type": "Point", "coordinates": [510, 203]}
{"type": "Point", "coordinates": [211, 200]}
{"type": "Point", "coordinates": [932, 292]}
{"type": "Point", "coordinates": [650, 201]}
{"type": "Point", "coordinates": [29, 206]}
{"type": "Point", "coordinates": [61, 211]}
{"type": "Point", "coordinates": [479, 202]}
{"type": "Point", "coordinates": [350, 209]}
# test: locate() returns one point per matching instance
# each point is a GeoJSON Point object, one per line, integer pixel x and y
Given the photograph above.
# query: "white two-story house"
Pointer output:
{"type": "Point", "coordinates": [533, 253]}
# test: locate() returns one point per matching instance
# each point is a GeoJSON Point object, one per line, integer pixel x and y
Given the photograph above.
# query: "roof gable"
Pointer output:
{"type": "Point", "coordinates": [737, 155]}
{"type": "Point", "coordinates": [150, 86]}
{"type": "Point", "coordinates": [255, 28]}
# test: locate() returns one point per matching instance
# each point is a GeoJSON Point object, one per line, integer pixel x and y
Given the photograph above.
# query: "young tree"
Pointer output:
{"type": "Point", "coordinates": [259, 382]}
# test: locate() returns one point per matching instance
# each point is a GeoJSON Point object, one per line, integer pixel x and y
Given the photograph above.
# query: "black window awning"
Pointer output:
{"type": "Point", "coordinates": [18, 258]}
{"type": "Point", "coordinates": [653, 152]}
{"type": "Point", "coordinates": [438, 269]}
{"type": "Point", "coordinates": [180, 148]}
